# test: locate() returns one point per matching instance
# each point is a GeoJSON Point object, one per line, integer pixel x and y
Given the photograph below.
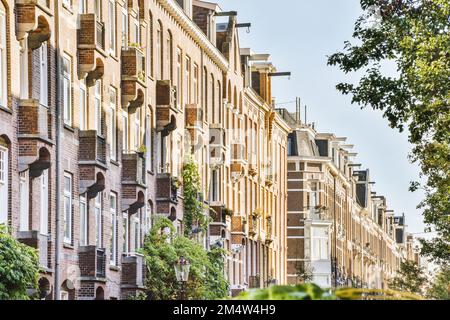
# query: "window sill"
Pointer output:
{"type": "Point", "coordinates": [6, 109]}
{"type": "Point", "coordinates": [68, 246]}
{"type": "Point", "coordinates": [68, 127]}
{"type": "Point", "coordinates": [113, 267]}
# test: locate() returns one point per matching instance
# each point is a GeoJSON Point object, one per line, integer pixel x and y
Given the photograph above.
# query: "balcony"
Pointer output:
{"type": "Point", "coordinates": [238, 224]}
{"type": "Point", "coordinates": [31, 20]}
{"type": "Point", "coordinates": [92, 263]}
{"type": "Point", "coordinates": [92, 162]}
{"type": "Point", "coordinates": [253, 226]}
{"type": "Point", "coordinates": [168, 188]}
{"type": "Point", "coordinates": [133, 272]}
{"type": "Point", "coordinates": [238, 159]}
{"type": "Point", "coordinates": [133, 78]}
{"type": "Point", "coordinates": [133, 181]}
{"type": "Point", "coordinates": [37, 241]}
{"type": "Point", "coordinates": [91, 46]}
{"type": "Point", "coordinates": [34, 120]}
{"type": "Point", "coordinates": [254, 282]}
{"type": "Point", "coordinates": [166, 107]}
{"type": "Point", "coordinates": [194, 116]}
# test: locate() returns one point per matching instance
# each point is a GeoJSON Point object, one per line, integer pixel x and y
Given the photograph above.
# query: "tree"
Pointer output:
{"type": "Point", "coordinates": [19, 268]}
{"type": "Point", "coordinates": [415, 36]}
{"type": "Point", "coordinates": [440, 288]}
{"type": "Point", "coordinates": [194, 208]}
{"type": "Point", "coordinates": [410, 278]}
{"type": "Point", "coordinates": [162, 249]}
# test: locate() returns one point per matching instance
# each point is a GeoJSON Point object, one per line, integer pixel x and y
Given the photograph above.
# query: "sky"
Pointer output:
{"type": "Point", "coordinates": [299, 35]}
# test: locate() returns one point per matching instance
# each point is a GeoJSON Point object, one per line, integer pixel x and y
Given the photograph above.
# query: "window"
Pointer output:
{"type": "Point", "coordinates": [82, 6]}
{"type": "Point", "coordinates": [83, 106]}
{"type": "Point", "coordinates": [3, 185]}
{"type": "Point", "coordinates": [112, 26]}
{"type": "Point", "coordinates": [126, 128]}
{"type": "Point", "coordinates": [98, 220]}
{"type": "Point", "coordinates": [113, 244]}
{"type": "Point", "coordinates": [137, 233]}
{"type": "Point", "coordinates": [24, 223]}
{"type": "Point", "coordinates": [319, 248]}
{"type": "Point", "coordinates": [219, 102]}
{"type": "Point", "coordinates": [44, 203]}
{"type": "Point", "coordinates": [67, 208]}
{"type": "Point", "coordinates": [187, 81]}
{"type": "Point", "coordinates": [83, 221]}
{"type": "Point", "coordinates": [205, 93]}
{"type": "Point", "coordinates": [215, 190]}
{"type": "Point", "coordinates": [159, 51]}
{"type": "Point", "coordinates": [67, 3]}
{"type": "Point", "coordinates": [314, 198]}
{"type": "Point", "coordinates": [3, 62]}
{"type": "Point", "coordinates": [195, 83]}
{"type": "Point", "coordinates": [169, 56]}
{"type": "Point", "coordinates": [126, 234]}
{"type": "Point", "coordinates": [149, 141]}
{"type": "Point", "coordinates": [124, 28]}
{"type": "Point", "coordinates": [98, 9]}
{"type": "Point", "coordinates": [179, 79]}
{"type": "Point", "coordinates": [67, 90]}
{"type": "Point", "coordinates": [98, 106]}
{"type": "Point", "coordinates": [112, 128]}
{"type": "Point", "coordinates": [137, 33]}
{"type": "Point", "coordinates": [212, 98]}
{"type": "Point", "coordinates": [137, 129]}
{"type": "Point", "coordinates": [43, 74]}
{"type": "Point", "coordinates": [150, 46]}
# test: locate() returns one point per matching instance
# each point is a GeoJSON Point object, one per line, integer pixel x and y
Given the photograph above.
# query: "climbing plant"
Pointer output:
{"type": "Point", "coordinates": [194, 208]}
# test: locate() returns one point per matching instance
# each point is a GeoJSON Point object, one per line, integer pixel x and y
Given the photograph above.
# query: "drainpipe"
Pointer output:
{"type": "Point", "coordinates": [58, 159]}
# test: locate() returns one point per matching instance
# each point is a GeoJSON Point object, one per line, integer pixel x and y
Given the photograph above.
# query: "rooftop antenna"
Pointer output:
{"type": "Point", "coordinates": [298, 110]}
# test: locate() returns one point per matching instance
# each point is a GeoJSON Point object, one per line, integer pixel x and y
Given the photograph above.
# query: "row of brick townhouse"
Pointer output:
{"type": "Point", "coordinates": [339, 231]}
{"type": "Point", "coordinates": [100, 104]}
{"type": "Point", "coordinates": [101, 101]}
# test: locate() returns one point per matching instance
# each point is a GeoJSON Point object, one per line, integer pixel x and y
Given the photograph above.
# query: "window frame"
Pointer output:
{"type": "Point", "coordinates": [113, 215]}
{"type": "Point", "coordinates": [68, 196]}
{"type": "Point", "coordinates": [67, 89]}
{"type": "Point", "coordinates": [84, 223]}
{"type": "Point", "coordinates": [112, 128]}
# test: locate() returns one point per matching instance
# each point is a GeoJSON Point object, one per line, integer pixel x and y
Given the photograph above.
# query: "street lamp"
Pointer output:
{"type": "Point", "coordinates": [182, 268]}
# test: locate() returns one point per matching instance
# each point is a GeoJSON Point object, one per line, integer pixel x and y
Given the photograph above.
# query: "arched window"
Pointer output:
{"type": "Point", "coordinates": [3, 59]}
{"type": "Point", "coordinates": [159, 51]}
{"type": "Point", "coordinates": [169, 55]}
{"type": "Point", "coordinates": [219, 101]}
{"type": "Point", "coordinates": [213, 100]}
{"type": "Point", "coordinates": [205, 93]}
{"type": "Point", "coordinates": [150, 42]}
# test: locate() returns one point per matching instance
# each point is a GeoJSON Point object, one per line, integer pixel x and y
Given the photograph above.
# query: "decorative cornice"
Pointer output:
{"type": "Point", "coordinates": [195, 32]}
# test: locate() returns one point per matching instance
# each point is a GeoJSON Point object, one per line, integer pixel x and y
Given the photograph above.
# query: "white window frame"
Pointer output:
{"type": "Point", "coordinates": [179, 77]}
{"type": "Point", "coordinates": [67, 89]}
{"type": "Point", "coordinates": [98, 204]}
{"type": "Point", "coordinates": [43, 74]}
{"type": "Point", "coordinates": [83, 106]}
{"type": "Point", "coordinates": [24, 220]}
{"type": "Point", "coordinates": [322, 243]}
{"type": "Point", "coordinates": [98, 106]}
{"type": "Point", "coordinates": [125, 28]}
{"type": "Point", "coordinates": [82, 6]}
{"type": "Point", "coordinates": [3, 61]}
{"type": "Point", "coordinates": [137, 129]}
{"type": "Point", "coordinates": [137, 233]}
{"type": "Point", "coordinates": [112, 128]}
{"type": "Point", "coordinates": [44, 203]}
{"type": "Point", "coordinates": [159, 55]}
{"type": "Point", "coordinates": [4, 193]}
{"type": "Point", "coordinates": [126, 233]}
{"type": "Point", "coordinates": [113, 244]}
{"type": "Point", "coordinates": [126, 131]}
{"type": "Point", "coordinates": [83, 221]}
{"type": "Point", "coordinates": [187, 80]}
{"type": "Point", "coordinates": [112, 27]}
{"type": "Point", "coordinates": [68, 204]}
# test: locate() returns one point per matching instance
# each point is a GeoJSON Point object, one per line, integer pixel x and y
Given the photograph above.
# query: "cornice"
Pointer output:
{"type": "Point", "coordinates": [195, 32]}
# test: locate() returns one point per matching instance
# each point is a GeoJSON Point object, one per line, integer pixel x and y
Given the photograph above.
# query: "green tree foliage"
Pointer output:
{"type": "Point", "coordinates": [415, 36]}
{"type": "Point", "coordinates": [194, 208]}
{"type": "Point", "coordinates": [19, 268]}
{"type": "Point", "coordinates": [410, 278]}
{"type": "Point", "coordinates": [298, 292]}
{"type": "Point", "coordinates": [162, 249]}
{"type": "Point", "coordinates": [440, 288]}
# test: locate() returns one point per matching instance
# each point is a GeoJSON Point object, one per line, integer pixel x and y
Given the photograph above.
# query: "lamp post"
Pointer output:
{"type": "Point", "coordinates": [182, 268]}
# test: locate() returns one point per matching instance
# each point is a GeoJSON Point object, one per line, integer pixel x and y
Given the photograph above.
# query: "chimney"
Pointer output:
{"type": "Point", "coordinates": [204, 17]}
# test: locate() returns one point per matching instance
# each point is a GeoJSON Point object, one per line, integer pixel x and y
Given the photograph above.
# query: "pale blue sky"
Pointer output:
{"type": "Point", "coordinates": [299, 34]}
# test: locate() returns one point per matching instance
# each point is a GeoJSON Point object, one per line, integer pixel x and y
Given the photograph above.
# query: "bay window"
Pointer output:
{"type": "Point", "coordinates": [320, 244]}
